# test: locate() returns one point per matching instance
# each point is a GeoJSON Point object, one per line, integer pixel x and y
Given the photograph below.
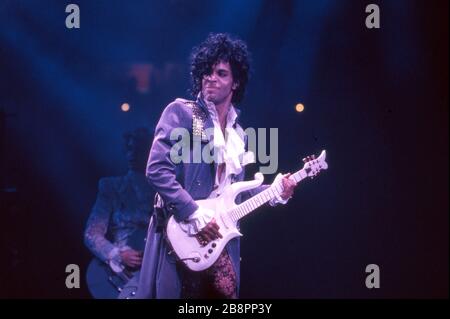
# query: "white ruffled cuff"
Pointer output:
{"type": "Point", "coordinates": [198, 220]}
{"type": "Point", "coordinates": [278, 199]}
{"type": "Point", "coordinates": [114, 260]}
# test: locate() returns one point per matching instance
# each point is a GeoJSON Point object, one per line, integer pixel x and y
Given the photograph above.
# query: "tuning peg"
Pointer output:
{"type": "Point", "coordinates": [304, 160]}
{"type": "Point", "coordinates": [313, 156]}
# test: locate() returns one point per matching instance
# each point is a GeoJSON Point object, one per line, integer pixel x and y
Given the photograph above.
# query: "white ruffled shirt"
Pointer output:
{"type": "Point", "coordinates": [230, 150]}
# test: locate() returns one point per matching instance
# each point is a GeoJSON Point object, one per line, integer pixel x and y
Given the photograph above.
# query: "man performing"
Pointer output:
{"type": "Point", "coordinates": [219, 73]}
{"type": "Point", "coordinates": [117, 224]}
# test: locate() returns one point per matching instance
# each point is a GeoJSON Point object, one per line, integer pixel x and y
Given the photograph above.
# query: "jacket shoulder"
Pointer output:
{"type": "Point", "coordinates": [179, 110]}
{"type": "Point", "coordinates": [180, 105]}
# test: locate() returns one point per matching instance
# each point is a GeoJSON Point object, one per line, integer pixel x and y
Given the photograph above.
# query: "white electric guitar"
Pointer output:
{"type": "Point", "coordinates": [198, 256]}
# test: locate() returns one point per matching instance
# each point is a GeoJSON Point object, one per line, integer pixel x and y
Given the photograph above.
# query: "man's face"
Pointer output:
{"type": "Point", "coordinates": [135, 154]}
{"type": "Point", "coordinates": [218, 86]}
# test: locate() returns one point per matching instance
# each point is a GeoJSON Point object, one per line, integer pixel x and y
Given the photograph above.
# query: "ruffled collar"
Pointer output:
{"type": "Point", "coordinates": [229, 149]}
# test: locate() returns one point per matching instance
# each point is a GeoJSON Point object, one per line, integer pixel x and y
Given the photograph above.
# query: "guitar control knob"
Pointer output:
{"type": "Point", "coordinates": [213, 245]}
{"type": "Point", "coordinates": [210, 251]}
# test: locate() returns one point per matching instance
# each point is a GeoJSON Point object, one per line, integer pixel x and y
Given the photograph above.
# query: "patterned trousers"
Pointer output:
{"type": "Point", "coordinates": [218, 281]}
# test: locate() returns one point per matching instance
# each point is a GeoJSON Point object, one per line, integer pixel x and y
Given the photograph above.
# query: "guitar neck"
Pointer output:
{"type": "Point", "coordinates": [263, 197]}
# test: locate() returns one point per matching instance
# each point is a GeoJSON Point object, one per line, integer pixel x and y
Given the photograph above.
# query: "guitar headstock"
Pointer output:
{"type": "Point", "coordinates": [314, 165]}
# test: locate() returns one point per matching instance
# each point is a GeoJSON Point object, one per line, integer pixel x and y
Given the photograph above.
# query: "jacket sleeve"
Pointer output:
{"type": "Point", "coordinates": [161, 171]}
{"type": "Point", "coordinates": [98, 222]}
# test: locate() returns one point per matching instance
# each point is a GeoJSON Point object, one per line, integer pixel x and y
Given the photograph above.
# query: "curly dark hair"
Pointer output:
{"type": "Point", "coordinates": [216, 48]}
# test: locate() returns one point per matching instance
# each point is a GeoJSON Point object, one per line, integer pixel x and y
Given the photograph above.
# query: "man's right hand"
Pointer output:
{"type": "Point", "coordinates": [209, 233]}
{"type": "Point", "coordinates": [131, 258]}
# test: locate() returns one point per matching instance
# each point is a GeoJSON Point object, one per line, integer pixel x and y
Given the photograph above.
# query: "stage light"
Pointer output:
{"type": "Point", "coordinates": [125, 107]}
{"type": "Point", "coordinates": [299, 107]}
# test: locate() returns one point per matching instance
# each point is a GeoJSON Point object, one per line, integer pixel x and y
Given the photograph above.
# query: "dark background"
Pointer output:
{"type": "Point", "coordinates": [375, 99]}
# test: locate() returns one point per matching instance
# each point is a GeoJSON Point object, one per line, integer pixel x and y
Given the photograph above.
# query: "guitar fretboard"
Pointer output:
{"type": "Point", "coordinates": [263, 197]}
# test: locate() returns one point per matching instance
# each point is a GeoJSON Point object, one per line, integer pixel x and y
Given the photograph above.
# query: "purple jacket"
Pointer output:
{"type": "Point", "coordinates": [179, 185]}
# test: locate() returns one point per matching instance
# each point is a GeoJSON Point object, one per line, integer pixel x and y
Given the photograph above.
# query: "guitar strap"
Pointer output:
{"type": "Point", "coordinates": [159, 214]}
